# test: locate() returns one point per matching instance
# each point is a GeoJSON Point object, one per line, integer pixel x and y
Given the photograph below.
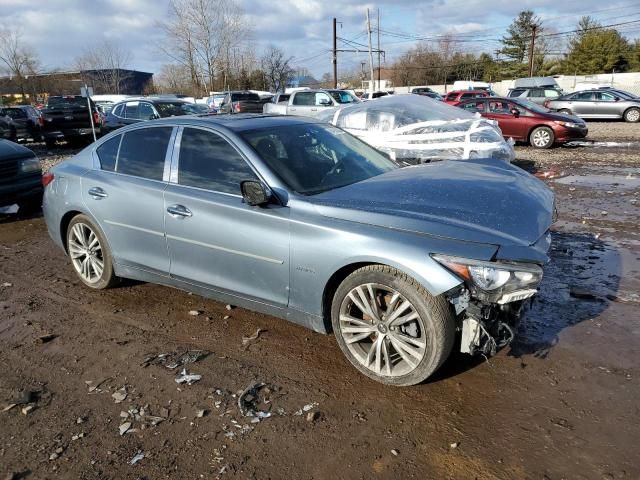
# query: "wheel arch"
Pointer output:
{"type": "Point", "coordinates": [633, 107]}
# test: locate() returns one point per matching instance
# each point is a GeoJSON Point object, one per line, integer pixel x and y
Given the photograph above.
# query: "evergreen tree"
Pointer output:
{"type": "Point", "coordinates": [516, 42]}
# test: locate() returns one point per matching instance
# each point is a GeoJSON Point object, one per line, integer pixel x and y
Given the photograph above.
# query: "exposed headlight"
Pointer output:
{"type": "Point", "coordinates": [30, 165]}
{"type": "Point", "coordinates": [493, 276]}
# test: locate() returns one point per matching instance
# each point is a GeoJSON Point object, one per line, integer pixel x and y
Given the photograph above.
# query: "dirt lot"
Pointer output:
{"type": "Point", "coordinates": [561, 403]}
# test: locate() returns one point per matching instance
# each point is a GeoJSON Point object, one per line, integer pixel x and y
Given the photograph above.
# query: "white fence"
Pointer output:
{"type": "Point", "coordinates": [623, 81]}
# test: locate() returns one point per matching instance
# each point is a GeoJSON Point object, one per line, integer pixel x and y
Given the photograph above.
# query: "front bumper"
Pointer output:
{"type": "Point", "coordinates": [69, 133]}
{"type": "Point", "coordinates": [23, 188]}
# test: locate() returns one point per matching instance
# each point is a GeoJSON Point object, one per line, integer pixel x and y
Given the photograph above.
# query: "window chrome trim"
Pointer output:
{"type": "Point", "coordinates": [173, 168]}
{"type": "Point", "coordinates": [168, 155]}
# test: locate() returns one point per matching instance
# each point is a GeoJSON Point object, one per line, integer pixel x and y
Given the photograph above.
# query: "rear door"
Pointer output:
{"type": "Point", "coordinates": [124, 194]}
{"type": "Point", "coordinates": [215, 239]}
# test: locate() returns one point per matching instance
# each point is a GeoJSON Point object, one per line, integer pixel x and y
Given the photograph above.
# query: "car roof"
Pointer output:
{"type": "Point", "coordinates": [477, 90]}
{"type": "Point", "coordinates": [237, 122]}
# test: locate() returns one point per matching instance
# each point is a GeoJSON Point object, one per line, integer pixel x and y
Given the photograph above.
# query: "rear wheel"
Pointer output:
{"type": "Point", "coordinates": [632, 115]}
{"type": "Point", "coordinates": [90, 254]}
{"type": "Point", "coordinates": [389, 327]}
{"type": "Point", "coordinates": [541, 137]}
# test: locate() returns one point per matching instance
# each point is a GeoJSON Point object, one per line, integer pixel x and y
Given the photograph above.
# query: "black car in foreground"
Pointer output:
{"type": "Point", "coordinates": [20, 177]}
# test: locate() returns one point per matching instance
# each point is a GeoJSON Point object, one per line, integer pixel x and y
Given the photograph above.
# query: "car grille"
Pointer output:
{"type": "Point", "coordinates": [8, 169]}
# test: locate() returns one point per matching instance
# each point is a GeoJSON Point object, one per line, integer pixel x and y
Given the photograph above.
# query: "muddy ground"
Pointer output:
{"type": "Point", "coordinates": [560, 403]}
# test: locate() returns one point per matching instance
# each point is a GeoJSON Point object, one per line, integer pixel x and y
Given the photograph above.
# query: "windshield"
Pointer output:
{"type": "Point", "coordinates": [312, 158]}
{"type": "Point", "coordinates": [534, 107]}
{"type": "Point", "coordinates": [196, 108]}
{"type": "Point", "coordinates": [172, 109]}
{"type": "Point", "coordinates": [343, 97]}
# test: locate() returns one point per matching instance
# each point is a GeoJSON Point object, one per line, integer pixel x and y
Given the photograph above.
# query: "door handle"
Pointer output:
{"type": "Point", "coordinates": [97, 193]}
{"type": "Point", "coordinates": [179, 211]}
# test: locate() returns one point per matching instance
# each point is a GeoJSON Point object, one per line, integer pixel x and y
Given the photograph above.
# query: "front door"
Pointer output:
{"type": "Point", "coordinates": [125, 196]}
{"type": "Point", "coordinates": [215, 239]}
{"type": "Point", "coordinates": [502, 112]}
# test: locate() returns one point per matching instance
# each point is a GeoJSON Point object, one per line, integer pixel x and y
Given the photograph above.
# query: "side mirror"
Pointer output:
{"type": "Point", "coordinates": [617, 99]}
{"type": "Point", "coordinates": [255, 193]}
{"type": "Point", "coordinates": [515, 112]}
{"type": "Point", "coordinates": [324, 102]}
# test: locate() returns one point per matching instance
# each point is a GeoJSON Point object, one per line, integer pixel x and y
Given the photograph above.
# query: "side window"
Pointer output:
{"type": "Point", "coordinates": [451, 96]}
{"type": "Point", "coordinates": [468, 95]}
{"type": "Point", "coordinates": [304, 98]}
{"type": "Point", "coordinates": [208, 161]}
{"type": "Point", "coordinates": [142, 152]}
{"type": "Point", "coordinates": [535, 93]}
{"type": "Point", "coordinates": [118, 110]}
{"type": "Point", "coordinates": [108, 152]}
{"type": "Point", "coordinates": [322, 99]}
{"type": "Point", "coordinates": [473, 106]}
{"type": "Point", "coordinates": [551, 93]}
{"type": "Point", "coordinates": [605, 97]}
{"type": "Point", "coordinates": [582, 96]}
{"type": "Point", "coordinates": [131, 110]}
{"type": "Point", "coordinates": [146, 111]}
{"type": "Point", "coordinates": [499, 107]}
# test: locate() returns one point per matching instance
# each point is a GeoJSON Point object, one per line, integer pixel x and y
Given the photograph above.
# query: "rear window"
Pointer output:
{"type": "Point", "coordinates": [245, 97]}
{"type": "Point", "coordinates": [171, 109]}
{"type": "Point", "coordinates": [70, 101]}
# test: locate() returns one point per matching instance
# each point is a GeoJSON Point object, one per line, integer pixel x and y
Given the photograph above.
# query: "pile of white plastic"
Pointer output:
{"type": "Point", "coordinates": [417, 129]}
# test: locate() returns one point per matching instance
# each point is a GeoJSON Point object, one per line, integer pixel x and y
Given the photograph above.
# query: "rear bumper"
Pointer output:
{"type": "Point", "coordinates": [69, 133]}
{"type": "Point", "coordinates": [22, 188]}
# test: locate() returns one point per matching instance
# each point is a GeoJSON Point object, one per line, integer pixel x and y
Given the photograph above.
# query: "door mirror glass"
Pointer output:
{"type": "Point", "coordinates": [255, 193]}
{"type": "Point", "coordinates": [515, 112]}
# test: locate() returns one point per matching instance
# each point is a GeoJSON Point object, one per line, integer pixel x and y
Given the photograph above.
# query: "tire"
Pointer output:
{"type": "Point", "coordinates": [31, 205]}
{"type": "Point", "coordinates": [95, 269]}
{"type": "Point", "coordinates": [632, 115]}
{"type": "Point", "coordinates": [428, 328]}
{"type": "Point", "coordinates": [541, 137]}
{"type": "Point", "coordinates": [565, 111]}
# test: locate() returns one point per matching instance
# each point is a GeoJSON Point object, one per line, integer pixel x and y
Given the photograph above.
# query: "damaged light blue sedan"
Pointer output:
{"type": "Point", "coordinates": [303, 221]}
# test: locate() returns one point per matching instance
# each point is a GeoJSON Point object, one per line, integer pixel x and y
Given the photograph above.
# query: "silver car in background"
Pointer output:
{"type": "Point", "coordinates": [598, 103]}
{"type": "Point", "coordinates": [303, 221]}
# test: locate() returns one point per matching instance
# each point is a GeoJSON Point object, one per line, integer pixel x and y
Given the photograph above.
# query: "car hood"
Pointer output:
{"type": "Point", "coordinates": [483, 201]}
{"type": "Point", "coordinates": [563, 117]}
{"type": "Point", "coordinates": [11, 151]}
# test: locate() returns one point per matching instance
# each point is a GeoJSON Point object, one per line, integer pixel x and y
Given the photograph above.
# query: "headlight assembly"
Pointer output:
{"type": "Point", "coordinates": [30, 165]}
{"type": "Point", "coordinates": [494, 280]}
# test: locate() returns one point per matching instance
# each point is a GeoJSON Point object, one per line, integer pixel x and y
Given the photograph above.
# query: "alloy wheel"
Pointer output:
{"type": "Point", "coordinates": [382, 330]}
{"type": "Point", "coordinates": [633, 115]}
{"type": "Point", "coordinates": [541, 138]}
{"type": "Point", "coordinates": [86, 252]}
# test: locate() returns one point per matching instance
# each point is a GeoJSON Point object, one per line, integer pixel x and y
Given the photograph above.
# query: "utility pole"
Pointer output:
{"type": "Point", "coordinates": [378, 48]}
{"type": "Point", "coordinates": [531, 48]}
{"type": "Point", "coordinates": [335, 56]}
{"type": "Point", "coordinates": [370, 53]}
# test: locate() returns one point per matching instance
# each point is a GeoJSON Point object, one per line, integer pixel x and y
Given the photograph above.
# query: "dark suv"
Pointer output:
{"type": "Point", "coordinates": [241, 102]}
{"type": "Point", "coordinates": [134, 110]}
{"type": "Point", "coordinates": [20, 177]}
{"type": "Point", "coordinates": [23, 122]}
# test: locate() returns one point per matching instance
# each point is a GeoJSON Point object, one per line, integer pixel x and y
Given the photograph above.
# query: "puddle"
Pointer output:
{"type": "Point", "coordinates": [601, 180]}
{"type": "Point", "coordinates": [594, 144]}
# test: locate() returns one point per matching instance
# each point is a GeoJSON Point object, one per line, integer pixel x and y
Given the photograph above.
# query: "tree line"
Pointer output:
{"type": "Point", "coordinates": [209, 47]}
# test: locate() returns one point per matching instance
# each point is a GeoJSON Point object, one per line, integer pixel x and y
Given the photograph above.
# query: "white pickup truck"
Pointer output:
{"type": "Point", "coordinates": [309, 103]}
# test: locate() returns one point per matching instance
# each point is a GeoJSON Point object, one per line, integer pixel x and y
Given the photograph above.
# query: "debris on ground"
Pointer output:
{"type": "Point", "coordinates": [581, 293]}
{"type": "Point", "coordinates": [120, 395]}
{"type": "Point", "coordinates": [9, 407]}
{"type": "Point", "coordinates": [394, 452]}
{"type": "Point", "coordinates": [9, 209]}
{"type": "Point", "coordinates": [306, 408]}
{"type": "Point", "coordinates": [201, 412]}
{"type": "Point", "coordinates": [47, 337]}
{"type": "Point", "coordinates": [77, 436]}
{"type": "Point", "coordinates": [124, 428]}
{"type": "Point", "coordinates": [253, 397]}
{"type": "Point", "coordinates": [454, 445]}
{"type": "Point", "coordinates": [229, 307]}
{"type": "Point", "coordinates": [27, 409]}
{"type": "Point", "coordinates": [7, 284]}
{"type": "Point", "coordinates": [226, 317]}
{"type": "Point", "coordinates": [173, 360]}
{"type": "Point", "coordinates": [312, 416]}
{"type": "Point", "coordinates": [187, 378]}
{"type": "Point", "coordinates": [246, 341]}
{"type": "Point", "coordinates": [94, 386]}
{"type": "Point", "coordinates": [194, 313]}
{"type": "Point", "coordinates": [138, 456]}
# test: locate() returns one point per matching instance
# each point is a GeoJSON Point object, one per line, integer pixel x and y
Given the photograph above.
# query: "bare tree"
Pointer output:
{"type": "Point", "coordinates": [204, 36]}
{"type": "Point", "coordinates": [277, 68]}
{"type": "Point", "coordinates": [17, 59]}
{"type": "Point", "coordinates": [173, 78]}
{"type": "Point", "coordinates": [103, 65]}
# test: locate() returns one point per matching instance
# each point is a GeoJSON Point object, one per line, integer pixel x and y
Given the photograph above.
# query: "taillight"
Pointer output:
{"type": "Point", "coordinates": [236, 107]}
{"type": "Point", "coordinates": [47, 178]}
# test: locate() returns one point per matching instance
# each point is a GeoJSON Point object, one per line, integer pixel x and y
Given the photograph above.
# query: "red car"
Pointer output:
{"type": "Point", "coordinates": [455, 97]}
{"type": "Point", "coordinates": [525, 121]}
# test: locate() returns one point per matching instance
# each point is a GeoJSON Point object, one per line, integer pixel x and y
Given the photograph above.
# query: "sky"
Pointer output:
{"type": "Point", "coordinates": [59, 30]}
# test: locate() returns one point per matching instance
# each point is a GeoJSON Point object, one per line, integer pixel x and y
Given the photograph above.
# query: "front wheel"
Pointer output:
{"type": "Point", "coordinates": [389, 327]}
{"type": "Point", "coordinates": [632, 115]}
{"type": "Point", "coordinates": [541, 137]}
{"type": "Point", "coordinates": [89, 253]}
